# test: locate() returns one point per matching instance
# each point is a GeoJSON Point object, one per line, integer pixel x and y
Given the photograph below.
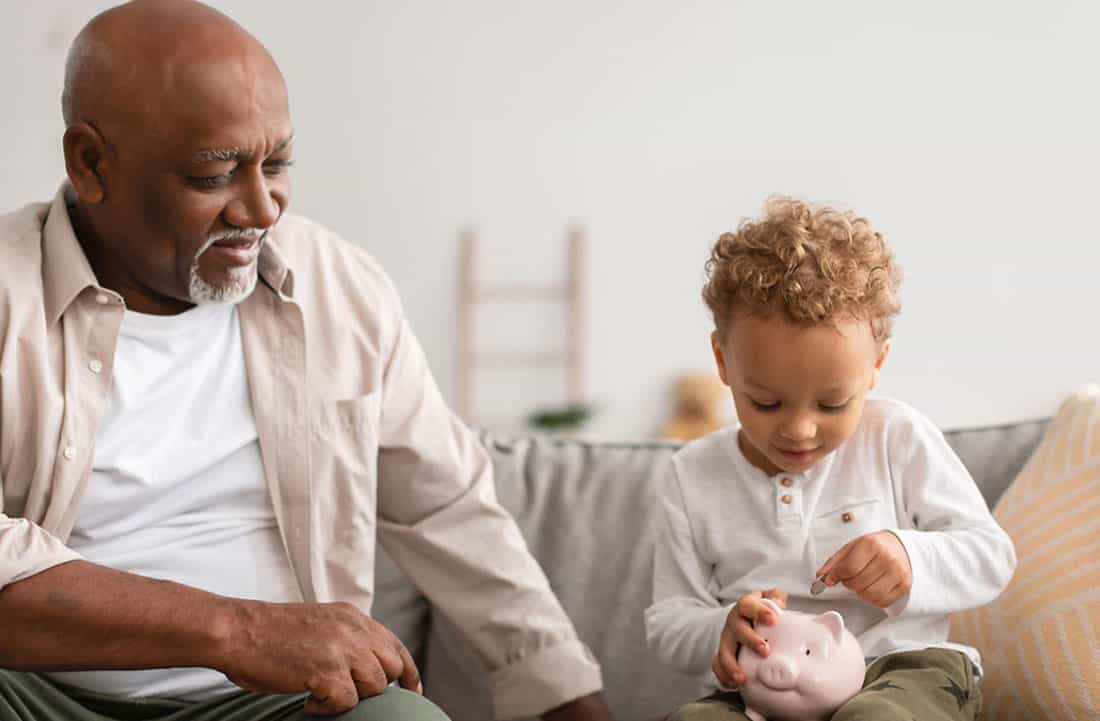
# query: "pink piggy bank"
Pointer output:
{"type": "Point", "coordinates": [814, 666]}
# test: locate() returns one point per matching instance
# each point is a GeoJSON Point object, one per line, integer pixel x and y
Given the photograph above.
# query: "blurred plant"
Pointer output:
{"type": "Point", "coordinates": [561, 418]}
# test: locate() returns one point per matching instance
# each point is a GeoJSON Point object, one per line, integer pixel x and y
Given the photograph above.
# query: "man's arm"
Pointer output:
{"type": "Point", "coordinates": [78, 615]}
{"type": "Point", "coordinates": [81, 616]}
{"type": "Point", "coordinates": [440, 520]}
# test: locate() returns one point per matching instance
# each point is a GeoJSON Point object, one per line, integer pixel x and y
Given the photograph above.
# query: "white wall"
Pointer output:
{"type": "Point", "coordinates": [968, 132]}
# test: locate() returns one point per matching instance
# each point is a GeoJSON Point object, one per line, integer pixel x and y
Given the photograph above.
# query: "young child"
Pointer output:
{"type": "Point", "coordinates": [818, 480]}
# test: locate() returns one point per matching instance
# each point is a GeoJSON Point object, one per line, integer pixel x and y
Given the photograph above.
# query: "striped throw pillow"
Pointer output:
{"type": "Point", "coordinates": [1040, 641]}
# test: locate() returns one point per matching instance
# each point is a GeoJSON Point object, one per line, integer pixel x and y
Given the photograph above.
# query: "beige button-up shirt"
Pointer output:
{"type": "Point", "coordinates": [355, 437]}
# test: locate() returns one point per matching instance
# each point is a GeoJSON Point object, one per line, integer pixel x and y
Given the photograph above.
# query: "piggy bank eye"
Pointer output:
{"type": "Point", "coordinates": [807, 652]}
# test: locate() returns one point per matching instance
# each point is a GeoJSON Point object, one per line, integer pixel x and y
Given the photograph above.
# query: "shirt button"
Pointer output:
{"type": "Point", "coordinates": [102, 299]}
{"type": "Point", "coordinates": [95, 366]}
{"type": "Point", "coordinates": [786, 498]}
{"type": "Point", "coordinates": [69, 452]}
{"type": "Point", "coordinates": [847, 517]}
{"type": "Point", "coordinates": [786, 483]}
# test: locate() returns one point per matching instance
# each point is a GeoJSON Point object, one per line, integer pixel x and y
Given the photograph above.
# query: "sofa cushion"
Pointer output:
{"type": "Point", "coordinates": [995, 454]}
{"type": "Point", "coordinates": [1040, 640]}
{"type": "Point", "coordinates": [586, 511]}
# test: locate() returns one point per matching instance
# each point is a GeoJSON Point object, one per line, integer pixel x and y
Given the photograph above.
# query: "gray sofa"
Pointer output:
{"type": "Point", "coordinates": [586, 510]}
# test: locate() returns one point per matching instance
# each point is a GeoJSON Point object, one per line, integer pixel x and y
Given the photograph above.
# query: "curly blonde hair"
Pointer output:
{"type": "Point", "coordinates": [812, 263]}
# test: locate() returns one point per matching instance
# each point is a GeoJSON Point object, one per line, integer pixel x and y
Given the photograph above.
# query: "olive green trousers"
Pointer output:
{"type": "Point", "coordinates": [931, 685]}
{"type": "Point", "coordinates": [30, 697]}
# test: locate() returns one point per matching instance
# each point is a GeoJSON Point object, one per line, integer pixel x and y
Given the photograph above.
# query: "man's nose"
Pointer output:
{"type": "Point", "coordinates": [256, 205]}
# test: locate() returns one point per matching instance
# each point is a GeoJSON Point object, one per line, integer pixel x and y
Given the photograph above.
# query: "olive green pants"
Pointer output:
{"type": "Point", "coordinates": [30, 697]}
{"type": "Point", "coordinates": [930, 685]}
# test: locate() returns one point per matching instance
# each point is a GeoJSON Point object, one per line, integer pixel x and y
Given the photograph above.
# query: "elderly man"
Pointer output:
{"type": "Point", "coordinates": [209, 408]}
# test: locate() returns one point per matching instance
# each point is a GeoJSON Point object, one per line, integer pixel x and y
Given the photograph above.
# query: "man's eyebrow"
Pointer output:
{"type": "Point", "coordinates": [209, 155]}
{"type": "Point", "coordinates": [228, 155]}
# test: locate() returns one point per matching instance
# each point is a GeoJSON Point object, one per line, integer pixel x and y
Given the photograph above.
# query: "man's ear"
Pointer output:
{"type": "Point", "coordinates": [878, 363]}
{"type": "Point", "coordinates": [719, 356]}
{"type": "Point", "coordinates": [85, 156]}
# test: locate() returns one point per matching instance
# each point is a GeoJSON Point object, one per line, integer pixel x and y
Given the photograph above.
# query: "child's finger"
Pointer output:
{"type": "Point", "coordinates": [878, 592]}
{"type": "Point", "coordinates": [724, 662]}
{"type": "Point", "coordinates": [721, 672]}
{"type": "Point", "coordinates": [746, 635]}
{"type": "Point", "coordinates": [752, 608]}
{"type": "Point", "coordinates": [777, 595]}
{"type": "Point", "coordinates": [894, 595]}
{"type": "Point", "coordinates": [871, 575]}
{"type": "Point", "coordinates": [835, 558]}
{"type": "Point", "coordinates": [855, 562]}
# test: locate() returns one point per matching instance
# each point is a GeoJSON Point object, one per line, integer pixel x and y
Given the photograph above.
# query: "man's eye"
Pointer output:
{"type": "Point", "coordinates": [275, 167]}
{"type": "Point", "coordinates": [209, 181]}
{"type": "Point", "coordinates": [764, 406]}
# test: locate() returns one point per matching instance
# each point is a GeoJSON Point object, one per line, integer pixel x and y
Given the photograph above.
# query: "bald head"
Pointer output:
{"type": "Point", "coordinates": [131, 58]}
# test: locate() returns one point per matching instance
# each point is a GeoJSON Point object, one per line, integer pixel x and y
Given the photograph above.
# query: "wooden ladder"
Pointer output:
{"type": "Point", "coordinates": [472, 294]}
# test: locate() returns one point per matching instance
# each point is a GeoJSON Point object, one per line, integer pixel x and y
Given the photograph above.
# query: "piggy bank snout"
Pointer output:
{"type": "Point", "coordinates": [778, 671]}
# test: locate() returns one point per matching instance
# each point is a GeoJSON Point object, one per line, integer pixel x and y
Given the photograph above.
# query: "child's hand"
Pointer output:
{"type": "Point", "coordinates": [738, 630]}
{"type": "Point", "coordinates": [875, 566]}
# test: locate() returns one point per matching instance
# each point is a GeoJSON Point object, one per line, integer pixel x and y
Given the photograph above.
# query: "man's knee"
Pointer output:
{"type": "Point", "coordinates": [396, 704]}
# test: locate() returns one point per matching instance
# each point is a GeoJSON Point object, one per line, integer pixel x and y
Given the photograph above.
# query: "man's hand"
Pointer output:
{"type": "Point", "coordinates": [739, 631]}
{"type": "Point", "coordinates": [875, 566]}
{"type": "Point", "coordinates": [585, 708]}
{"type": "Point", "coordinates": [332, 650]}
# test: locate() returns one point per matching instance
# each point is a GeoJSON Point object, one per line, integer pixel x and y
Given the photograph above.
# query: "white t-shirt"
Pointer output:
{"type": "Point", "coordinates": [726, 528]}
{"type": "Point", "coordinates": [177, 489]}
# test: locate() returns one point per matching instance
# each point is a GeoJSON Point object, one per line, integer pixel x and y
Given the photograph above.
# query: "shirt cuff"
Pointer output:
{"type": "Point", "coordinates": [915, 600]}
{"type": "Point", "coordinates": [26, 550]}
{"type": "Point", "coordinates": [544, 680]}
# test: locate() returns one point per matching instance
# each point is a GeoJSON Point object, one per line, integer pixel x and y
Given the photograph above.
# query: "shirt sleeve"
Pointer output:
{"type": "Point", "coordinates": [685, 621]}
{"type": "Point", "coordinates": [26, 549]}
{"type": "Point", "coordinates": [440, 520]}
{"type": "Point", "coordinates": [961, 558]}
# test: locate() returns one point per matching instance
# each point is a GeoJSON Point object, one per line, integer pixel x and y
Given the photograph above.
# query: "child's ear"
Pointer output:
{"type": "Point", "coordinates": [719, 356]}
{"type": "Point", "coordinates": [878, 363]}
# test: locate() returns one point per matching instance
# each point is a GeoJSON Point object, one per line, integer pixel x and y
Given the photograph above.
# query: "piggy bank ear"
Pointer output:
{"type": "Point", "coordinates": [833, 622]}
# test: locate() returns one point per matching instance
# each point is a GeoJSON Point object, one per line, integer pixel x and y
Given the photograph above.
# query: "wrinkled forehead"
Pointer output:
{"type": "Point", "coordinates": [235, 101]}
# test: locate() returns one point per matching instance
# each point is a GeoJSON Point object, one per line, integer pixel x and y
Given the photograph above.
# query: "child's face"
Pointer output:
{"type": "Point", "coordinates": [799, 391]}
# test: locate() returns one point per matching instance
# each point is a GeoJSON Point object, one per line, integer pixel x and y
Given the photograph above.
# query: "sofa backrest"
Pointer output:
{"type": "Point", "coordinates": [587, 513]}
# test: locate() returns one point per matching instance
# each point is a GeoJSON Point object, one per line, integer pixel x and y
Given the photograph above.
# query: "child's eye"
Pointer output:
{"type": "Point", "coordinates": [834, 409]}
{"type": "Point", "coordinates": [764, 406]}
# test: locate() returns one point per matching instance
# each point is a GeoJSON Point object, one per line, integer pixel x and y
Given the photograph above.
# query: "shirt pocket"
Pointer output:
{"type": "Point", "coordinates": [344, 467]}
{"type": "Point", "coordinates": [846, 519]}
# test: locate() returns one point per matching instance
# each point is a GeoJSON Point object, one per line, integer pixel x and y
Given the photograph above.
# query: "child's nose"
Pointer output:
{"type": "Point", "coordinates": [799, 428]}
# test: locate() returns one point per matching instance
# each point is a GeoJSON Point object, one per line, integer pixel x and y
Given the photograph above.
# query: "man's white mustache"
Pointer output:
{"type": "Point", "coordinates": [235, 234]}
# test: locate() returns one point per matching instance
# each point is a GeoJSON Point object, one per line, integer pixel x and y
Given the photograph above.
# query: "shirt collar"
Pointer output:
{"type": "Point", "coordinates": [66, 271]}
{"type": "Point", "coordinates": [747, 469]}
{"type": "Point", "coordinates": [273, 268]}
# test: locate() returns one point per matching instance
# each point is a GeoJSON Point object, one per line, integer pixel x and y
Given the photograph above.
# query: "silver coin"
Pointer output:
{"type": "Point", "coordinates": [818, 587]}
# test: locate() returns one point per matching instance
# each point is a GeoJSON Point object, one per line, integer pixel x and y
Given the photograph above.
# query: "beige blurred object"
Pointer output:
{"type": "Point", "coordinates": [698, 409]}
